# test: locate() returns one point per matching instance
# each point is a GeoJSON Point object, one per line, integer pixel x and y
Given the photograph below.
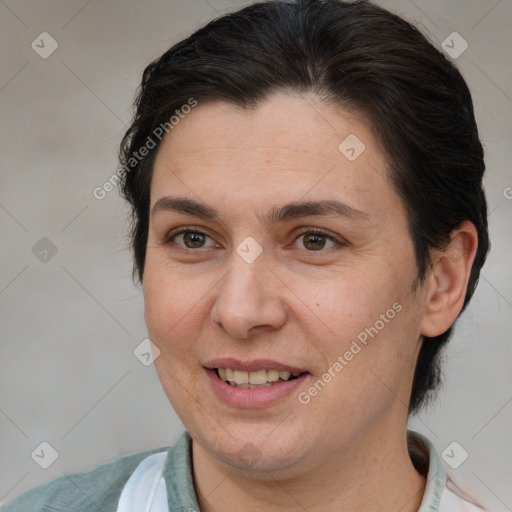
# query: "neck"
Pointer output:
{"type": "Point", "coordinates": [375, 473]}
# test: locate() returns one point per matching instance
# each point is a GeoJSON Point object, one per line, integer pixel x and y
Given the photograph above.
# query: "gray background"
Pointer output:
{"type": "Point", "coordinates": [69, 326]}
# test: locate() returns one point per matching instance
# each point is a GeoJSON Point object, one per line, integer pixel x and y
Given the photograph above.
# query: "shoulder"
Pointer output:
{"type": "Point", "coordinates": [92, 490]}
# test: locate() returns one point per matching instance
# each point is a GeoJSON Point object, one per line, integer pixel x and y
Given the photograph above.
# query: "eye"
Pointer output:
{"type": "Point", "coordinates": [316, 240]}
{"type": "Point", "coordinates": [189, 238]}
{"type": "Point", "coordinates": [312, 240]}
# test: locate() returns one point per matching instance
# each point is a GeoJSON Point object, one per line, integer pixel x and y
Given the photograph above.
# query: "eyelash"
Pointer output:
{"type": "Point", "coordinates": [307, 231]}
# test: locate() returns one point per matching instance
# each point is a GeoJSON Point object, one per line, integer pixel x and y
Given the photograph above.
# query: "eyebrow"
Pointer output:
{"type": "Point", "coordinates": [287, 212]}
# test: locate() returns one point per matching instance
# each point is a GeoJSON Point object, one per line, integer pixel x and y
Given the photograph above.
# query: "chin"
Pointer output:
{"type": "Point", "coordinates": [254, 449]}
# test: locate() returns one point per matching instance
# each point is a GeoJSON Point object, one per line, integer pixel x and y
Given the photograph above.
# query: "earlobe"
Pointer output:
{"type": "Point", "coordinates": [448, 280]}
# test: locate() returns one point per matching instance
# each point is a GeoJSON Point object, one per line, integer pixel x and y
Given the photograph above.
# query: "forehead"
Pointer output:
{"type": "Point", "coordinates": [286, 148]}
{"type": "Point", "coordinates": [282, 121]}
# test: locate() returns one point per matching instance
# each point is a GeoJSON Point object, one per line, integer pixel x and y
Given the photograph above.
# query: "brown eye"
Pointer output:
{"type": "Point", "coordinates": [193, 240]}
{"type": "Point", "coordinates": [189, 239]}
{"type": "Point", "coordinates": [316, 241]}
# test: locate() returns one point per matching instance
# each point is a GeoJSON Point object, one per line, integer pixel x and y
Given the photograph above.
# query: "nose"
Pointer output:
{"type": "Point", "coordinates": [249, 299]}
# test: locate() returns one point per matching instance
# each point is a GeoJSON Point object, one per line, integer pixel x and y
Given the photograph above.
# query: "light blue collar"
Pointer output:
{"type": "Point", "coordinates": [420, 447]}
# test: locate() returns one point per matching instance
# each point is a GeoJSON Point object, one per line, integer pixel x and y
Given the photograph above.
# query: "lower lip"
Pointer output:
{"type": "Point", "coordinates": [256, 397]}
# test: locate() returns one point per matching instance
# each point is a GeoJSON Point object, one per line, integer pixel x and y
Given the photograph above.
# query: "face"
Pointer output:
{"type": "Point", "coordinates": [285, 256]}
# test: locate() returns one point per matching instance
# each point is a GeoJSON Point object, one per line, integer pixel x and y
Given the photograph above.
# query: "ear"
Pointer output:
{"type": "Point", "coordinates": [447, 282]}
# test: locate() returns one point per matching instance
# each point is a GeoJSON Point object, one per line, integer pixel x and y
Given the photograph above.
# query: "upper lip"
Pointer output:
{"type": "Point", "coordinates": [252, 365]}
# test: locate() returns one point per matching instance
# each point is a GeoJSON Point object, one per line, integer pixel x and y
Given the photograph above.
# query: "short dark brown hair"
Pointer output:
{"type": "Point", "coordinates": [354, 55]}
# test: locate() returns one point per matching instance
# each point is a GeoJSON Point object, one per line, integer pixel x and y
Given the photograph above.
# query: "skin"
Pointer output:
{"type": "Point", "coordinates": [346, 449]}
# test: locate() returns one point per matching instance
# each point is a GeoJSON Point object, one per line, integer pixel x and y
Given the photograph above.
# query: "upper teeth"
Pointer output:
{"type": "Point", "coordinates": [256, 378]}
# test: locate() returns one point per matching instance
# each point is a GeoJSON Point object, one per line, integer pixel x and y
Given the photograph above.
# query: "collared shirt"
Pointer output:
{"type": "Point", "coordinates": [101, 488]}
{"type": "Point", "coordinates": [441, 494]}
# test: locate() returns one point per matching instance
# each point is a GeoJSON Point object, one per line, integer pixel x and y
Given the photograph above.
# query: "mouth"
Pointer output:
{"type": "Point", "coordinates": [254, 384]}
{"type": "Point", "coordinates": [255, 379]}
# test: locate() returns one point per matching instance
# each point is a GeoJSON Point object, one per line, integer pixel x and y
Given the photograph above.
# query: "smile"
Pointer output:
{"type": "Point", "coordinates": [254, 384]}
{"type": "Point", "coordinates": [253, 380]}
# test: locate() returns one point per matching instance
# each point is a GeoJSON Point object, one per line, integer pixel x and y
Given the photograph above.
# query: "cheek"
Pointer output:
{"type": "Point", "coordinates": [171, 315]}
{"type": "Point", "coordinates": [366, 368]}
{"type": "Point", "coordinates": [348, 301]}
{"type": "Point", "coordinates": [170, 304]}
{"type": "Point", "coordinates": [370, 319]}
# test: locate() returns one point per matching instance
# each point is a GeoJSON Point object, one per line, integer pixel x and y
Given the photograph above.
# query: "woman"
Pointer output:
{"type": "Point", "coordinates": [308, 223]}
